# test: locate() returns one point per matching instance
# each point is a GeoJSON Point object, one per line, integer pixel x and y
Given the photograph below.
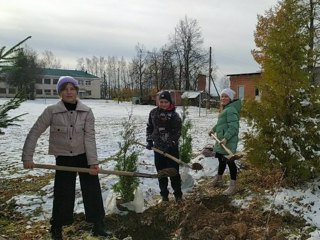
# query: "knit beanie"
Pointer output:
{"type": "Point", "coordinates": [66, 79]}
{"type": "Point", "coordinates": [165, 95]}
{"type": "Point", "coordinates": [229, 92]}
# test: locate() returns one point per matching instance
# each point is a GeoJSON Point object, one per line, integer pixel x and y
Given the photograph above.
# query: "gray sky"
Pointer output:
{"type": "Point", "coordinates": [77, 28]}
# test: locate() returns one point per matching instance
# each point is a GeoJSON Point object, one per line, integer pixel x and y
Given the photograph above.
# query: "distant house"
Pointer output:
{"type": "Point", "coordinates": [195, 98]}
{"type": "Point", "coordinates": [246, 85]}
{"type": "Point", "coordinates": [45, 86]}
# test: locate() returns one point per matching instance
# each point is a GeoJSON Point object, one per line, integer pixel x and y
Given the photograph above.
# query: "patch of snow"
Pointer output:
{"type": "Point", "coordinates": [109, 117]}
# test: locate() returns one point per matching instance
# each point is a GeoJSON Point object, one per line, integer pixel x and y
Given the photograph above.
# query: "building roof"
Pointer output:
{"type": "Point", "coordinates": [240, 74]}
{"type": "Point", "coordinates": [190, 94]}
{"type": "Point", "coordinates": [66, 72]}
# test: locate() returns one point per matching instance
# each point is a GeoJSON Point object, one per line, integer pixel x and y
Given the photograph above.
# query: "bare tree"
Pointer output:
{"type": "Point", "coordinates": [48, 60]}
{"type": "Point", "coordinates": [122, 64]}
{"type": "Point", "coordinates": [111, 70]}
{"type": "Point", "coordinates": [167, 79]}
{"type": "Point", "coordinates": [81, 64]}
{"type": "Point", "coordinates": [139, 67]}
{"type": "Point", "coordinates": [187, 43]}
{"type": "Point", "coordinates": [153, 69]}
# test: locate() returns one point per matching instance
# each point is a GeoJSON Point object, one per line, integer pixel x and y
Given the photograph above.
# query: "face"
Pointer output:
{"type": "Point", "coordinates": [164, 104]}
{"type": "Point", "coordinates": [225, 100]}
{"type": "Point", "coordinates": [69, 93]}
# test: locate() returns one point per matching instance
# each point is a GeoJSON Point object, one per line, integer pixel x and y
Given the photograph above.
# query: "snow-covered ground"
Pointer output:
{"type": "Point", "coordinates": [109, 118]}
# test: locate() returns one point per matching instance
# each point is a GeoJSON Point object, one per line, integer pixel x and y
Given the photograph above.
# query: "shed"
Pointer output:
{"type": "Point", "coordinates": [194, 97]}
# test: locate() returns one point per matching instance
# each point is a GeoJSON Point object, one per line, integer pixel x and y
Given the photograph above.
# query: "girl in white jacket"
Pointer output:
{"type": "Point", "coordinates": [72, 142]}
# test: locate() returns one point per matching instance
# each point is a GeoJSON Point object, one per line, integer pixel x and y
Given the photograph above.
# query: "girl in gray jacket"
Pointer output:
{"type": "Point", "coordinates": [72, 142]}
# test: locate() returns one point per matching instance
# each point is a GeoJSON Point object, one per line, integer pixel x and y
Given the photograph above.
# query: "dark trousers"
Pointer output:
{"type": "Point", "coordinates": [223, 162]}
{"type": "Point", "coordinates": [162, 162]}
{"type": "Point", "coordinates": [64, 192]}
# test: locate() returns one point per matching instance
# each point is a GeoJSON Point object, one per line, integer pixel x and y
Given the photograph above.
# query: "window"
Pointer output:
{"type": "Point", "coordinates": [47, 81]}
{"type": "Point", "coordinates": [55, 81]}
{"type": "Point", "coordinates": [47, 92]}
{"type": "Point", "coordinates": [241, 92]}
{"type": "Point", "coordinates": [55, 92]}
{"type": "Point", "coordinates": [88, 83]}
{"type": "Point", "coordinates": [39, 91]}
{"type": "Point", "coordinates": [3, 90]}
{"type": "Point", "coordinates": [257, 93]}
{"type": "Point", "coordinates": [88, 93]}
{"type": "Point", "coordinates": [80, 82]}
{"type": "Point", "coordinates": [12, 91]}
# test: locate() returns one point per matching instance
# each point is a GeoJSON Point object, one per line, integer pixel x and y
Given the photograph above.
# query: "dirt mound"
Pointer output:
{"type": "Point", "coordinates": [204, 214]}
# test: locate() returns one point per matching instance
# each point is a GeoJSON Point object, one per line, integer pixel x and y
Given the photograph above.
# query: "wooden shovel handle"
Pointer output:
{"type": "Point", "coordinates": [166, 155]}
{"type": "Point", "coordinates": [224, 147]}
{"type": "Point", "coordinates": [87, 170]}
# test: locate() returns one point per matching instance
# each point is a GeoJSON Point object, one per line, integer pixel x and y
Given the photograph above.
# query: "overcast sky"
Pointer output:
{"type": "Point", "coordinates": [77, 28]}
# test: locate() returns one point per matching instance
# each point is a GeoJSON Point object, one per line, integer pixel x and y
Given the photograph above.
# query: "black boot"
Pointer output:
{"type": "Point", "coordinates": [56, 232]}
{"type": "Point", "coordinates": [165, 199]}
{"type": "Point", "coordinates": [99, 229]}
{"type": "Point", "coordinates": [178, 199]}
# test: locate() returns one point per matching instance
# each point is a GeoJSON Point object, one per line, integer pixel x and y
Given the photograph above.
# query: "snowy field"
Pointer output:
{"type": "Point", "coordinates": [109, 118]}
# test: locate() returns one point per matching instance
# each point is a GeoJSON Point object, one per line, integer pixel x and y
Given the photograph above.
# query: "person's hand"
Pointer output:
{"type": "Point", "coordinates": [28, 164]}
{"type": "Point", "coordinates": [223, 141]}
{"type": "Point", "coordinates": [149, 145]}
{"type": "Point", "coordinates": [210, 133]}
{"type": "Point", "coordinates": [94, 169]}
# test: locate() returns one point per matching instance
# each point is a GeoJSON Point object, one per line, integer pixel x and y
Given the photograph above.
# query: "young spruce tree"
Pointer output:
{"type": "Point", "coordinates": [186, 138]}
{"type": "Point", "coordinates": [127, 161]}
{"type": "Point", "coordinates": [285, 123]}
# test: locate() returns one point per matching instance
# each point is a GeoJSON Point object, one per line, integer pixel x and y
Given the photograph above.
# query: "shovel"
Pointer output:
{"type": "Point", "coordinates": [195, 166]}
{"type": "Point", "coordinates": [232, 156]}
{"type": "Point", "coordinates": [167, 172]}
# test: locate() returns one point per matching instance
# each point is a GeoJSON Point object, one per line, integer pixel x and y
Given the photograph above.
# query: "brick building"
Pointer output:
{"type": "Point", "coordinates": [246, 85]}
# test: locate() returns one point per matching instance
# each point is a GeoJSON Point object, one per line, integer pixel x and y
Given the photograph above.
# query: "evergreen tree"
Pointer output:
{"type": "Point", "coordinates": [7, 59]}
{"type": "Point", "coordinates": [285, 122]}
{"type": "Point", "coordinates": [25, 72]}
{"type": "Point", "coordinates": [5, 120]}
{"type": "Point", "coordinates": [127, 158]}
{"type": "Point", "coordinates": [186, 138]}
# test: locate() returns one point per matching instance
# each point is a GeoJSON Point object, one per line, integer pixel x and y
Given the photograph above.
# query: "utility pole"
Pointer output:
{"type": "Point", "coordinates": [209, 81]}
{"type": "Point", "coordinates": [118, 86]}
{"type": "Point", "coordinates": [210, 77]}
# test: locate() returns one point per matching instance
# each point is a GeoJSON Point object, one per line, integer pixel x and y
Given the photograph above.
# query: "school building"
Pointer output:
{"type": "Point", "coordinates": [45, 87]}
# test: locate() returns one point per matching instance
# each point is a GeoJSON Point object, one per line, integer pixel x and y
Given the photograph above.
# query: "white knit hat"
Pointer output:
{"type": "Point", "coordinates": [229, 92]}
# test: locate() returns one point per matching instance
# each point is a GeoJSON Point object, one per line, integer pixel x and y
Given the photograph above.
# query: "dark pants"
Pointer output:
{"type": "Point", "coordinates": [64, 192]}
{"type": "Point", "coordinates": [223, 164]}
{"type": "Point", "coordinates": [162, 162]}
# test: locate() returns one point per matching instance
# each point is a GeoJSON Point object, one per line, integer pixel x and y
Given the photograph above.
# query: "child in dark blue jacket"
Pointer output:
{"type": "Point", "coordinates": [163, 132]}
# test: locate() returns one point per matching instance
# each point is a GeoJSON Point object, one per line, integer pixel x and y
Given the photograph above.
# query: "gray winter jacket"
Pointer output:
{"type": "Point", "coordinates": [71, 132]}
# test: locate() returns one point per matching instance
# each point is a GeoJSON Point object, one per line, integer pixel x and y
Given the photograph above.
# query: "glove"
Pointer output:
{"type": "Point", "coordinates": [210, 133]}
{"type": "Point", "coordinates": [223, 141]}
{"type": "Point", "coordinates": [149, 145]}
